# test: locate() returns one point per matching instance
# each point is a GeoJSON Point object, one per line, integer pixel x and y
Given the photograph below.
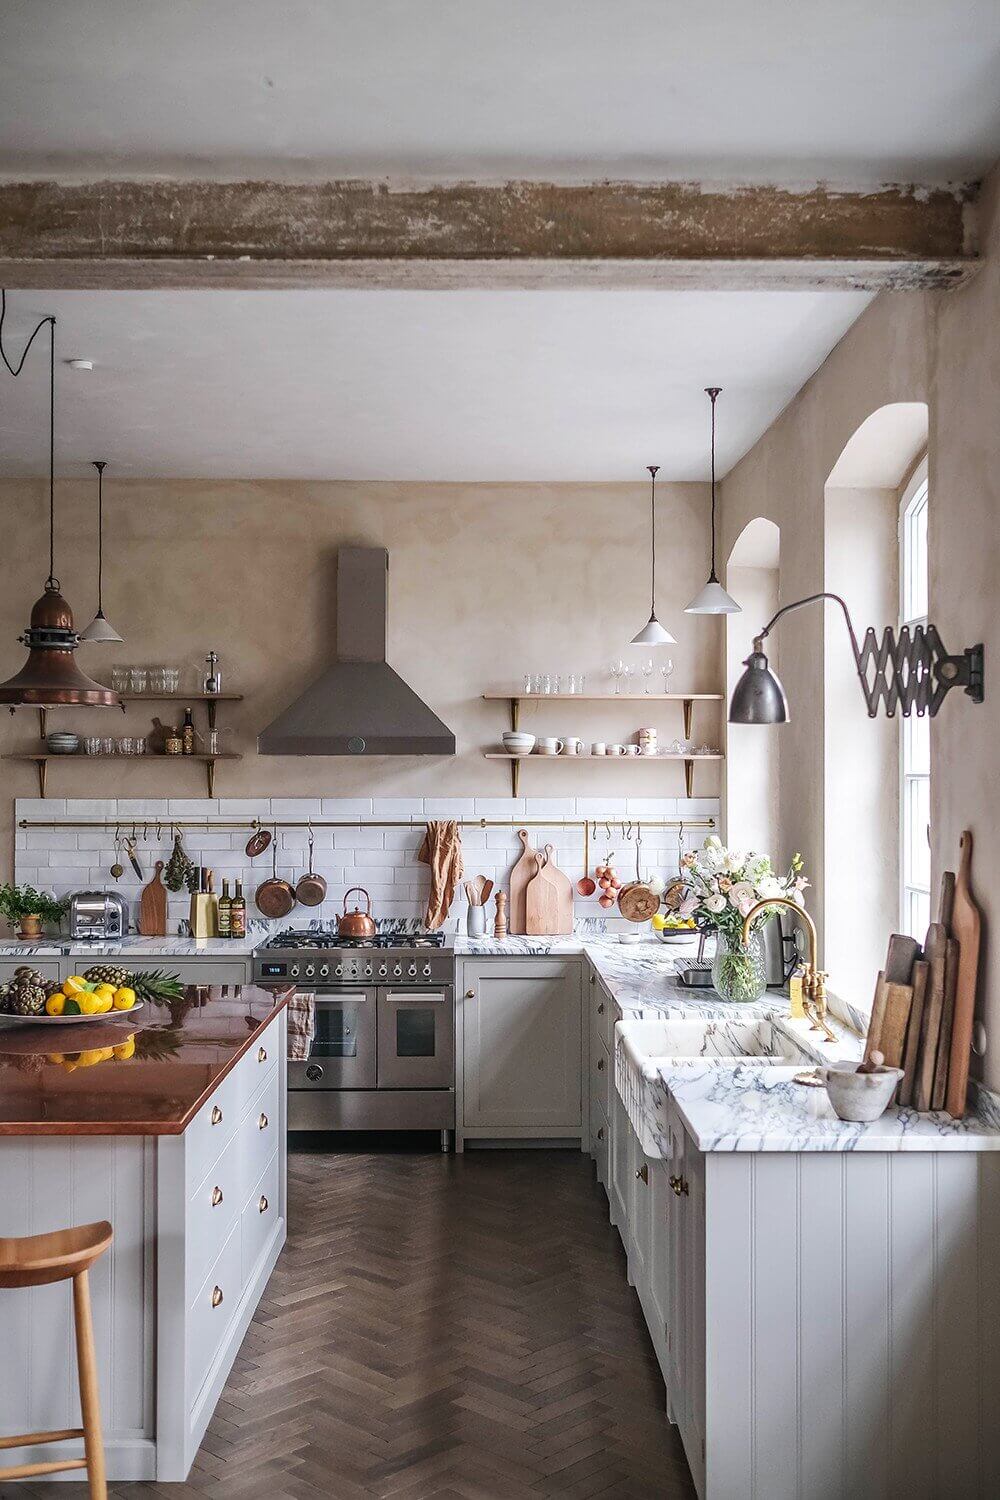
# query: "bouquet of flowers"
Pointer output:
{"type": "Point", "coordinates": [720, 887]}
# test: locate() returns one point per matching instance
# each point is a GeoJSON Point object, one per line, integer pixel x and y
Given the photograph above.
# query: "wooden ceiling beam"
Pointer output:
{"type": "Point", "coordinates": [148, 234]}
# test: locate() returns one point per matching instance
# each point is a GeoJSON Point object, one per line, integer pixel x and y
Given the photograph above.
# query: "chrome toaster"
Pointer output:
{"type": "Point", "coordinates": [97, 916]}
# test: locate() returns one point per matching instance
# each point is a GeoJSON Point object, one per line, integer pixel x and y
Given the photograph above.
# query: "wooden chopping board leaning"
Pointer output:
{"type": "Point", "coordinates": [523, 871]}
{"type": "Point", "coordinates": [548, 899]}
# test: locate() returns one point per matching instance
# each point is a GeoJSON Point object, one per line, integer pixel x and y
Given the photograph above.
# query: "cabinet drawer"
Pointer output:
{"type": "Point", "coordinates": [211, 1310]}
{"type": "Point", "coordinates": [600, 1075]}
{"type": "Point", "coordinates": [256, 1064]}
{"type": "Point", "coordinates": [203, 971]}
{"type": "Point", "coordinates": [601, 1013]}
{"type": "Point", "coordinates": [600, 1142]}
{"type": "Point", "coordinates": [260, 1214]}
{"type": "Point", "coordinates": [211, 1130]}
{"type": "Point", "coordinates": [257, 1137]}
{"type": "Point", "coordinates": [212, 1209]}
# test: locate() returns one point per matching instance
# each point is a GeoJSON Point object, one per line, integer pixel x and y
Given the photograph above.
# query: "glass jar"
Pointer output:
{"type": "Point", "coordinates": [738, 971]}
{"type": "Point", "coordinates": [173, 744]}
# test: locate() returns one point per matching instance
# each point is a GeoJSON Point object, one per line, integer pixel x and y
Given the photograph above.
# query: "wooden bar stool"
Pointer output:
{"type": "Point", "coordinates": [36, 1260]}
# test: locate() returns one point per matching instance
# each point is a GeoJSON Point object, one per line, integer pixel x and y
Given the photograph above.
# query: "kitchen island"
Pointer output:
{"type": "Point", "coordinates": [170, 1123]}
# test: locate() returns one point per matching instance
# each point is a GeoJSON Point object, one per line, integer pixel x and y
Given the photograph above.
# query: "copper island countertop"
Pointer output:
{"type": "Point", "coordinates": [168, 1060]}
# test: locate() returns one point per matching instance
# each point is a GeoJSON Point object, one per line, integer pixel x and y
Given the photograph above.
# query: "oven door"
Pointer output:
{"type": "Point", "coordinates": [416, 1038]}
{"type": "Point", "coordinates": [342, 1050]}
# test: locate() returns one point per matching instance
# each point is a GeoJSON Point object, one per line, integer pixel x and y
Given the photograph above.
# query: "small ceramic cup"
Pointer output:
{"type": "Point", "coordinates": [631, 749]}
{"type": "Point", "coordinates": [598, 748]}
{"type": "Point", "coordinates": [572, 746]}
{"type": "Point", "coordinates": [616, 749]}
{"type": "Point", "coordinates": [548, 745]}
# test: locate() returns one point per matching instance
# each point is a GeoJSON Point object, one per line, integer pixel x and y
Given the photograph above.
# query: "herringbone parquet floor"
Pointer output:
{"type": "Point", "coordinates": [439, 1326]}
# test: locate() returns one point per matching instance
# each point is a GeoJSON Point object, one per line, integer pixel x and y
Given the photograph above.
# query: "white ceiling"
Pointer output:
{"type": "Point", "coordinates": [410, 385]}
{"type": "Point", "coordinates": [770, 89]}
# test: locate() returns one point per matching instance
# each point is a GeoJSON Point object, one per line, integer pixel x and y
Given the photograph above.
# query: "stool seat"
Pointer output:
{"type": "Point", "coordinates": [37, 1259]}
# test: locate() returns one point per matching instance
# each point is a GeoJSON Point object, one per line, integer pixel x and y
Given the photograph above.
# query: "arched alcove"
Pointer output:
{"type": "Point", "coordinates": [860, 886]}
{"type": "Point", "coordinates": [752, 775]}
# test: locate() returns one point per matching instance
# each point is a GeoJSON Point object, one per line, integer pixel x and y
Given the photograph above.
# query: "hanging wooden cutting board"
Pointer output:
{"type": "Point", "coordinates": [966, 930]}
{"type": "Point", "coordinates": [153, 906]}
{"type": "Point", "coordinates": [549, 899]}
{"type": "Point", "coordinates": [523, 871]}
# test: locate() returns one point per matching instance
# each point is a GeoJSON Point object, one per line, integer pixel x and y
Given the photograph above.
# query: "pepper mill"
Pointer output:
{"type": "Point", "coordinates": [500, 925]}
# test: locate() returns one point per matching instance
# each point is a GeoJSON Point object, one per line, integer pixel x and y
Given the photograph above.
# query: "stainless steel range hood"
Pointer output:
{"type": "Point", "coordinates": [359, 706]}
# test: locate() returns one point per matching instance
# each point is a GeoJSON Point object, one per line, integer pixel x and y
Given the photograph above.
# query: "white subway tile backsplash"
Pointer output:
{"type": "Point", "coordinates": [383, 860]}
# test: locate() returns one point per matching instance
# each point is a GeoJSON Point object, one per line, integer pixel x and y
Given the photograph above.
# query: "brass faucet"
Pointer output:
{"type": "Point", "coordinates": [814, 979]}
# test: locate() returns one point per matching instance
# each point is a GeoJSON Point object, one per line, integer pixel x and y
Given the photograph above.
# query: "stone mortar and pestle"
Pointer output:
{"type": "Point", "coordinates": [861, 1092]}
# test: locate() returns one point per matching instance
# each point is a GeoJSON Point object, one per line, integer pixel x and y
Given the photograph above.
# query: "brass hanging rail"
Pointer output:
{"type": "Point", "coordinates": [252, 824]}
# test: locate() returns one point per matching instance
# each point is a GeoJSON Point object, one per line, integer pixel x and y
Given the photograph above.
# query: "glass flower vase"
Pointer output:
{"type": "Point", "coordinates": [738, 971]}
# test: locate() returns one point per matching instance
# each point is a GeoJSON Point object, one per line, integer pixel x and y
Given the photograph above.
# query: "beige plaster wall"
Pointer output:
{"type": "Point", "coordinates": [486, 582]}
{"type": "Point", "coordinates": [942, 348]}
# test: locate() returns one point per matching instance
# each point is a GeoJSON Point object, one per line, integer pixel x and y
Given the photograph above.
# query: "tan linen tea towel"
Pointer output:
{"type": "Point", "coordinates": [301, 1025]}
{"type": "Point", "coordinates": [442, 850]}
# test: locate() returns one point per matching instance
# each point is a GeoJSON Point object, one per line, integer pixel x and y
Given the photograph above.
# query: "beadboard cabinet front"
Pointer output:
{"type": "Point", "coordinates": [523, 1063]}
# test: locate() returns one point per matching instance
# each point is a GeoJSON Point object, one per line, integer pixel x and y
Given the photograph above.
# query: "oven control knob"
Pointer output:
{"type": "Point", "coordinates": [324, 970]}
{"type": "Point", "coordinates": [397, 969]}
{"type": "Point", "coordinates": [339, 970]}
{"type": "Point", "coordinates": [368, 971]}
{"type": "Point", "coordinates": [383, 970]}
{"type": "Point", "coordinates": [310, 970]}
{"type": "Point", "coordinates": [314, 1072]}
{"type": "Point", "coordinates": [427, 971]}
{"type": "Point", "coordinates": [294, 971]}
{"type": "Point", "coordinates": [412, 971]}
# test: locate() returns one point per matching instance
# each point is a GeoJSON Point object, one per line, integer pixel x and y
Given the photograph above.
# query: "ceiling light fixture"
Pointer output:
{"type": "Point", "coordinates": [713, 599]}
{"type": "Point", "coordinates": [80, 364]}
{"type": "Point", "coordinates": [653, 633]}
{"type": "Point", "coordinates": [50, 676]}
{"type": "Point", "coordinates": [99, 630]}
{"type": "Point", "coordinates": [913, 672]}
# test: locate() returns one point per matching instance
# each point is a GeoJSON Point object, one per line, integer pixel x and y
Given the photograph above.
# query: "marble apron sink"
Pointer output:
{"type": "Point", "coordinates": [643, 1047]}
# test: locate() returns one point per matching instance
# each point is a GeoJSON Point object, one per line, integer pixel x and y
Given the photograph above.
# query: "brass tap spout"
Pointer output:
{"type": "Point", "coordinates": [814, 981]}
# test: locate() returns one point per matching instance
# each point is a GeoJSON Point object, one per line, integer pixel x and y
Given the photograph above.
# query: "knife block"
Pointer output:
{"type": "Point", "coordinates": [203, 918]}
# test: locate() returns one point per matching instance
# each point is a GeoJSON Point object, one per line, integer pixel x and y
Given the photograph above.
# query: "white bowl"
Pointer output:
{"type": "Point", "coordinates": [518, 741]}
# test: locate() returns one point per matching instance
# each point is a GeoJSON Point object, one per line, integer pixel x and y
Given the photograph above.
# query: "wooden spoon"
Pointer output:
{"type": "Point", "coordinates": [585, 886]}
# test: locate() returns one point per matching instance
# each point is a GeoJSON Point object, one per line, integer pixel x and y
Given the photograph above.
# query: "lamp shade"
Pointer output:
{"type": "Point", "coordinates": [100, 629]}
{"type": "Point", "coordinates": [50, 676]}
{"type": "Point", "coordinates": [758, 697]}
{"type": "Point", "coordinates": [654, 634]}
{"type": "Point", "coordinates": [712, 600]}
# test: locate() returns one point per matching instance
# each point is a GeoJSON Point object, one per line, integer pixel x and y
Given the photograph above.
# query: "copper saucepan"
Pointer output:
{"type": "Point", "coordinates": [274, 897]}
{"type": "Point", "coordinates": [310, 889]}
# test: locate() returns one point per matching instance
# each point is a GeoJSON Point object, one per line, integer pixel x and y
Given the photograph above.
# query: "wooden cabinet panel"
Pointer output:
{"type": "Point", "coordinates": [522, 1031]}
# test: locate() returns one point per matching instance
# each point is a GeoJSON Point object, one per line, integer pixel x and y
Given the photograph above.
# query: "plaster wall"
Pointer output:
{"type": "Point", "coordinates": [486, 582]}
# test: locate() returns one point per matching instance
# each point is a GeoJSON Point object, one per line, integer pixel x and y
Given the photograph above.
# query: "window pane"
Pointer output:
{"type": "Point", "coordinates": [915, 558]}
{"type": "Point", "coordinates": [917, 914]}
{"type": "Point", "coordinates": [917, 869]}
{"type": "Point", "coordinates": [917, 744]}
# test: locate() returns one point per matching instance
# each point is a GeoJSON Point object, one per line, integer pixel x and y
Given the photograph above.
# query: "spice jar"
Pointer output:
{"type": "Point", "coordinates": [173, 744]}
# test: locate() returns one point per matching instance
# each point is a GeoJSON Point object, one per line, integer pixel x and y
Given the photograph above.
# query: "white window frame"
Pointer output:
{"type": "Point", "coordinates": [913, 504]}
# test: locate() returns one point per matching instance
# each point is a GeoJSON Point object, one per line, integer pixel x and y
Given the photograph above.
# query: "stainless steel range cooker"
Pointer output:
{"type": "Point", "coordinates": [383, 1053]}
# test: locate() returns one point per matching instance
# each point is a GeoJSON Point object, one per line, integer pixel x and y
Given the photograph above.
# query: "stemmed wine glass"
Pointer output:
{"type": "Point", "coordinates": [647, 672]}
{"type": "Point", "coordinates": [617, 670]}
{"type": "Point", "coordinates": [666, 669]}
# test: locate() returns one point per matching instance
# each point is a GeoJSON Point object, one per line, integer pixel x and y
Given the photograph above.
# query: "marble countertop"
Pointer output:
{"type": "Point", "coordinates": [757, 1107]}
{"type": "Point", "coordinates": [146, 1074]}
{"type": "Point", "coordinates": [135, 947]}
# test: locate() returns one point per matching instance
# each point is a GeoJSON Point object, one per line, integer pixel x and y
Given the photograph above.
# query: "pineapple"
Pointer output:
{"type": "Point", "coordinates": [149, 984]}
{"type": "Point", "coordinates": [28, 993]}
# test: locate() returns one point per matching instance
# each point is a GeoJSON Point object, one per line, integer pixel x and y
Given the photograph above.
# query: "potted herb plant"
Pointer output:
{"type": "Point", "coordinates": [26, 909]}
{"type": "Point", "coordinates": [720, 888]}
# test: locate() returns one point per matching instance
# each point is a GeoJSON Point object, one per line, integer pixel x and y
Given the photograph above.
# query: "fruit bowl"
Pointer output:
{"type": "Point", "coordinates": [78, 1020]}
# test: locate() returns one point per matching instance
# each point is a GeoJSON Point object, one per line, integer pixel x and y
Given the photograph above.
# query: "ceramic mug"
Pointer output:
{"type": "Point", "coordinates": [548, 746]}
{"type": "Point", "coordinates": [572, 746]}
{"type": "Point", "coordinates": [598, 748]}
{"type": "Point", "coordinates": [631, 749]}
{"type": "Point", "coordinates": [616, 749]}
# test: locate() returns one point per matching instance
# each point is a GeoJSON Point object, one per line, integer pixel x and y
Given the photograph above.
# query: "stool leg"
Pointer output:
{"type": "Point", "coordinates": [86, 1360]}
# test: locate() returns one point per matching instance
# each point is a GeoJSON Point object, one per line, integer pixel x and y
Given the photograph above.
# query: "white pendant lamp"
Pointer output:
{"type": "Point", "coordinates": [99, 630]}
{"type": "Point", "coordinates": [713, 599]}
{"type": "Point", "coordinates": [653, 633]}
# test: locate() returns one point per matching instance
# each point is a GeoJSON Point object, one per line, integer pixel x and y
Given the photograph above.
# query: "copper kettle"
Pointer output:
{"type": "Point", "coordinates": [356, 923]}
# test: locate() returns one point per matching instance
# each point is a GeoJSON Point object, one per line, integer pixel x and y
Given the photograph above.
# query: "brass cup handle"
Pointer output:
{"type": "Point", "coordinates": [600, 1009]}
{"type": "Point", "coordinates": [679, 1185]}
{"type": "Point", "coordinates": [600, 1133]}
{"type": "Point", "coordinates": [470, 994]}
{"type": "Point", "coordinates": [216, 1115]}
{"type": "Point", "coordinates": [262, 1054]}
{"type": "Point", "coordinates": [216, 1196]}
{"type": "Point", "coordinates": [216, 1296]}
{"type": "Point", "coordinates": [600, 1065]}
{"type": "Point", "coordinates": [262, 1206]}
{"type": "Point", "coordinates": [262, 1123]}
{"type": "Point", "coordinates": [642, 1173]}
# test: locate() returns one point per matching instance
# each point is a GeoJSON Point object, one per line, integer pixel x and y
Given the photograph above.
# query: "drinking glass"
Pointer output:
{"type": "Point", "coordinates": [92, 744]}
{"type": "Point", "coordinates": [647, 672]}
{"type": "Point", "coordinates": [215, 742]}
{"type": "Point", "coordinates": [158, 679]}
{"type": "Point", "coordinates": [140, 745]}
{"type": "Point", "coordinates": [139, 678]}
{"type": "Point", "coordinates": [126, 745]}
{"type": "Point", "coordinates": [528, 681]}
{"type": "Point", "coordinates": [617, 670]}
{"type": "Point", "coordinates": [107, 746]}
{"type": "Point", "coordinates": [546, 686]}
{"type": "Point", "coordinates": [120, 679]}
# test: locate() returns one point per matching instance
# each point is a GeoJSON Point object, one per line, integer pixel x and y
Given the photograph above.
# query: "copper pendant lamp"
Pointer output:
{"type": "Point", "coordinates": [50, 676]}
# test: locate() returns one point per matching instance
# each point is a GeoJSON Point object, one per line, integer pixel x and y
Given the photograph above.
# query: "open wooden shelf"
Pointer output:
{"type": "Point", "coordinates": [687, 700]}
{"type": "Point", "coordinates": [41, 758]}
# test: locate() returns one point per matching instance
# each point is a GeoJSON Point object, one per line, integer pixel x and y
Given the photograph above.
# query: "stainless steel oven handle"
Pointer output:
{"type": "Point", "coordinates": [348, 997]}
{"type": "Point", "coordinates": [418, 999]}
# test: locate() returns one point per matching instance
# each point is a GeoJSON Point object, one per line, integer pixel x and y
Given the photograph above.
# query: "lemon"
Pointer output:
{"type": "Point", "coordinates": [125, 1050]}
{"type": "Point", "coordinates": [105, 991]}
{"type": "Point", "coordinates": [124, 998]}
{"type": "Point", "coordinates": [54, 1004]}
{"type": "Point", "coordinates": [90, 1005]}
{"type": "Point", "coordinates": [89, 1058]}
{"type": "Point", "coordinates": [659, 921]}
{"type": "Point", "coordinates": [73, 983]}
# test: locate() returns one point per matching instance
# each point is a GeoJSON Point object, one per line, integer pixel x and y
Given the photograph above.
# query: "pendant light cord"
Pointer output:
{"type": "Point", "coordinates": [99, 465]}
{"type": "Point", "coordinates": [654, 469]}
{"type": "Point", "coordinates": [15, 370]}
{"type": "Point", "coordinates": [712, 392]}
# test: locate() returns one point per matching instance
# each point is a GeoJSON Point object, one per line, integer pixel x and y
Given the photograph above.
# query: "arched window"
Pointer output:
{"type": "Point", "coordinates": [915, 739]}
